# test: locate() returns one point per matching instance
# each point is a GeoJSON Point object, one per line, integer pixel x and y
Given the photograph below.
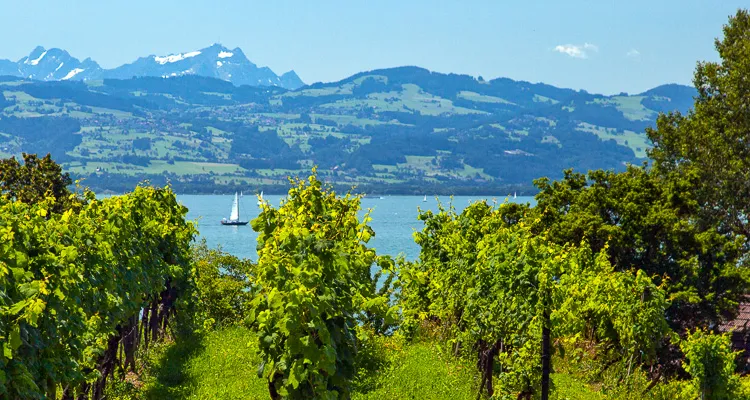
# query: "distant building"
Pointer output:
{"type": "Point", "coordinates": [740, 328]}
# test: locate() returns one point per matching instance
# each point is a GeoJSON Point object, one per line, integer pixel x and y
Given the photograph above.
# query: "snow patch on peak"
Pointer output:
{"type": "Point", "coordinates": [35, 62]}
{"type": "Point", "coordinates": [175, 57]}
{"type": "Point", "coordinates": [58, 67]}
{"type": "Point", "coordinates": [225, 54]}
{"type": "Point", "coordinates": [72, 73]}
{"type": "Point", "coordinates": [174, 74]}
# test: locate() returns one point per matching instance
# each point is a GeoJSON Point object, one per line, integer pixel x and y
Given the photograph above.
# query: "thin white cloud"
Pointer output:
{"type": "Point", "coordinates": [633, 53]}
{"type": "Point", "coordinates": [576, 51]}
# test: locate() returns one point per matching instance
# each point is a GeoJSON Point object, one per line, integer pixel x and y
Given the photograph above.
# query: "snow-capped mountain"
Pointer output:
{"type": "Point", "coordinates": [215, 61]}
{"type": "Point", "coordinates": [51, 65]}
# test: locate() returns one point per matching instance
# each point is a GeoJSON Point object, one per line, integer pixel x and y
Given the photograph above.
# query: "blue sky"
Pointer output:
{"type": "Point", "coordinates": [603, 46]}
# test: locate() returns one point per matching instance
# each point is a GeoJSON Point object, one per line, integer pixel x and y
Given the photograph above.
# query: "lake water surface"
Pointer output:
{"type": "Point", "coordinates": [394, 220]}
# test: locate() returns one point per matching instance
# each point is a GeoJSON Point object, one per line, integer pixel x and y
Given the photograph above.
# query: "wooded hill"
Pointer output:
{"type": "Point", "coordinates": [398, 130]}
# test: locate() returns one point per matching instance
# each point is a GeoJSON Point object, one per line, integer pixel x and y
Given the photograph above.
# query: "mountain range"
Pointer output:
{"type": "Point", "coordinates": [395, 130]}
{"type": "Point", "coordinates": [215, 61]}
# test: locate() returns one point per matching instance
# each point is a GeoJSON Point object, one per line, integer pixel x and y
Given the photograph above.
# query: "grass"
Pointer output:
{"type": "Point", "coordinates": [221, 365]}
{"type": "Point", "coordinates": [109, 142]}
{"type": "Point", "coordinates": [278, 115]}
{"type": "Point", "coordinates": [19, 96]}
{"type": "Point", "coordinates": [473, 96]}
{"type": "Point", "coordinates": [629, 106]}
{"type": "Point", "coordinates": [410, 98]}
{"type": "Point", "coordinates": [192, 167]}
{"type": "Point", "coordinates": [158, 167]}
{"type": "Point", "coordinates": [471, 172]}
{"type": "Point", "coordinates": [551, 139]}
{"type": "Point", "coordinates": [632, 109]}
{"type": "Point", "coordinates": [420, 370]}
{"type": "Point", "coordinates": [423, 162]}
{"type": "Point", "coordinates": [638, 142]}
{"type": "Point", "coordinates": [565, 387]}
{"type": "Point", "coordinates": [342, 120]}
{"type": "Point", "coordinates": [332, 90]}
{"type": "Point", "coordinates": [319, 92]}
{"type": "Point", "coordinates": [543, 99]}
{"type": "Point", "coordinates": [115, 113]}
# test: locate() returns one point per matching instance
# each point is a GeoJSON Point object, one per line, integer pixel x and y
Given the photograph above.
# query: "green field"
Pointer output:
{"type": "Point", "coordinates": [159, 166]}
{"type": "Point", "coordinates": [471, 96]}
{"type": "Point", "coordinates": [639, 142]}
{"type": "Point", "coordinates": [411, 98]}
{"type": "Point", "coordinates": [630, 106]}
{"type": "Point", "coordinates": [223, 365]}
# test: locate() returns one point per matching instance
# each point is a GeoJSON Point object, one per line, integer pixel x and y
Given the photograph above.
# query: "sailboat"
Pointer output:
{"type": "Point", "coordinates": [514, 195]}
{"type": "Point", "coordinates": [234, 217]}
{"type": "Point", "coordinates": [425, 199]}
{"type": "Point", "coordinates": [260, 198]}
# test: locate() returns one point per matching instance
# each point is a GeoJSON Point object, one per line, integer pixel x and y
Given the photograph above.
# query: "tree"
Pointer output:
{"type": "Point", "coordinates": [645, 222]}
{"type": "Point", "coordinates": [141, 144]}
{"type": "Point", "coordinates": [707, 151]}
{"type": "Point", "coordinates": [36, 179]}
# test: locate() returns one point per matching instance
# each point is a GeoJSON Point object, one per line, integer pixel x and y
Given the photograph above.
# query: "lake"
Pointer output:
{"type": "Point", "coordinates": [394, 220]}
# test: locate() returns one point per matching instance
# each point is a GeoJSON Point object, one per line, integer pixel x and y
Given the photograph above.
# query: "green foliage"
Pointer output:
{"type": "Point", "coordinates": [36, 179]}
{"type": "Point", "coordinates": [706, 150]}
{"type": "Point", "coordinates": [224, 286]}
{"type": "Point", "coordinates": [710, 363]}
{"type": "Point", "coordinates": [434, 288]}
{"type": "Point", "coordinates": [491, 283]}
{"type": "Point", "coordinates": [315, 285]}
{"type": "Point", "coordinates": [69, 281]}
{"type": "Point", "coordinates": [646, 223]}
{"type": "Point", "coordinates": [622, 312]}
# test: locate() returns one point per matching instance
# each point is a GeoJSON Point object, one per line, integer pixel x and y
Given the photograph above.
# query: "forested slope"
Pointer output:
{"type": "Point", "coordinates": [398, 130]}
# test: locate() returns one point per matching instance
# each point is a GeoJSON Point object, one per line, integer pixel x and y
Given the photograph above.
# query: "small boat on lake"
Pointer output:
{"type": "Point", "coordinates": [234, 217]}
{"type": "Point", "coordinates": [260, 198]}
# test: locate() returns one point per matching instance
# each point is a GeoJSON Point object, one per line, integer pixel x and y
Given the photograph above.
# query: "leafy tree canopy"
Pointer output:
{"type": "Point", "coordinates": [36, 179]}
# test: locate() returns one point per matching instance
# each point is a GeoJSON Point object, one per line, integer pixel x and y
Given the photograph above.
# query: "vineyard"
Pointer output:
{"type": "Point", "coordinates": [85, 288]}
{"type": "Point", "coordinates": [614, 285]}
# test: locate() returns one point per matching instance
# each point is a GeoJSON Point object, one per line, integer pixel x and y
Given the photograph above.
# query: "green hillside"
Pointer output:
{"type": "Point", "coordinates": [399, 130]}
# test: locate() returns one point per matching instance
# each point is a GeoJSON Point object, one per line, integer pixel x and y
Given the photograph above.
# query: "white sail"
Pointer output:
{"type": "Point", "coordinates": [235, 215]}
{"type": "Point", "coordinates": [260, 198]}
{"type": "Point", "coordinates": [425, 199]}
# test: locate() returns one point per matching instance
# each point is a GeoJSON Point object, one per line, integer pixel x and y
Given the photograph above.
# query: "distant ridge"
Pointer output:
{"type": "Point", "coordinates": [215, 61]}
{"type": "Point", "coordinates": [405, 130]}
